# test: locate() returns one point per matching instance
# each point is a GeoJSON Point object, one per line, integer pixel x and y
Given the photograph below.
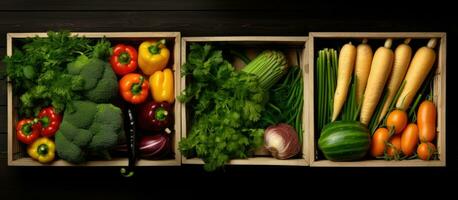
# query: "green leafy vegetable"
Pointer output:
{"type": "Point", "coordinates": [38, 69]}
{"type": "Point", "coordinates": [224, 106]}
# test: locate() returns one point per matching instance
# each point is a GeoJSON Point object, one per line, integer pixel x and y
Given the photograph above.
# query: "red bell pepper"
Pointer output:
{"type": "Point", "coordinates": [124, 59]}
{"type": "Point", "coordinates": [50, 121]}
{"type": "Point", "coordinates": [155, 116]}
{"type": "Point", "coordinates": [28, 130]}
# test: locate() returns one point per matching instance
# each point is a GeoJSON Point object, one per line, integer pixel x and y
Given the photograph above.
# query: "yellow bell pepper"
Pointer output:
{"type": "Point", "coordinates": [43, 150]}
{"type": "Point", "coordinates": [162, 86]}
{"type": "Point", "coordinates": [153, 56]}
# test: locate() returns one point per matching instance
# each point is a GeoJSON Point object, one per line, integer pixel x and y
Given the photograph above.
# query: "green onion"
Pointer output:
{"type": "Point", "coordinates": [325, 81]}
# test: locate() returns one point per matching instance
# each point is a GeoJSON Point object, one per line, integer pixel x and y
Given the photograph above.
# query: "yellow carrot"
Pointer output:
{"type": "Point", "coordinates": [380, 70]}
{"type": "Point", "coordinates": [347, 58]}
{"type": "Point", "coordinates": [419, 68]}
{"type": "Point", "coordinates": [402, 56]}
{"type": "Point", "coordinates": [362, 68]}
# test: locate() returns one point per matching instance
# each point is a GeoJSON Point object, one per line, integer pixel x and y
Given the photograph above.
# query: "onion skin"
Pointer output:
{"type": "Point", "coordinates": [282, 141]}
{"type": "Point", "coordinates": [154, 146]}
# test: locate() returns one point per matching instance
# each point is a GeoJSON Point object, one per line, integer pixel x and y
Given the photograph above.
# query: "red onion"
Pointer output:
{"type": "Point", "coordinates": [282, 141]}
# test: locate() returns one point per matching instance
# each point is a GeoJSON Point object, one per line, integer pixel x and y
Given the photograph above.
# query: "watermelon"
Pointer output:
{"type": "Point", "coordinates": [344, 141]}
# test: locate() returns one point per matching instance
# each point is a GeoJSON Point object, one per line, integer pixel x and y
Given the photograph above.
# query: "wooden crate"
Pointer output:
{"type": "Point", "coordinates": [439, 93]}
{"type": "Point", "coordinates": [15, 151]}
{"type": "Point", "coordinates": [249, 42]}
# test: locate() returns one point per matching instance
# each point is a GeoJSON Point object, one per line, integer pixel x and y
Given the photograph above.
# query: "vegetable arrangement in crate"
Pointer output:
{"type": "Point", "coordinates": [378, 104]}
{"type": "Point", "coordinates": [73, 92]}
{"type": "Point", "coordinates": [234, 112]}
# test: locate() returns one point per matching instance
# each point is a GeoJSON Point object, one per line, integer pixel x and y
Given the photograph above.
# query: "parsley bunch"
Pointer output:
{"type": "Point", "coordinates": [225, 106]}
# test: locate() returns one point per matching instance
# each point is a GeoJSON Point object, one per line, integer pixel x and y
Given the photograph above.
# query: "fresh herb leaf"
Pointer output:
{"type": "Point", "coordinates": [225, 106]}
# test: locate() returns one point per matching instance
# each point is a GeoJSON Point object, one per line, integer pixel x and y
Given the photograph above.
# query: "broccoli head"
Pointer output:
{"type": "Point", "coordinates": [88, 129]}
{"type": "Point", "coordinates": [100, 83]}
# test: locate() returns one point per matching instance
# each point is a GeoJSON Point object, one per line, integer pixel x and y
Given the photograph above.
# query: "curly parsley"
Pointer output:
{"type": "Point", "coordinates": [225, 106]}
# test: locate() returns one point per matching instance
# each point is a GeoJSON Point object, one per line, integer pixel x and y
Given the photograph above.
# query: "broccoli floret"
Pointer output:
{"type": "Point", "coordinates": [100, 83]}
{"type": "Point", "coordinates": [81, 113]}
{"type": "Point", "coordinates": [80, 137]}
{"type": "Point", "coordinates": [67, 150]}
{"type": "Point", "coordinates": [106, 89]}
{"type": "Point", "coordinates": [90, 129]}
{"type": "Point", "coordinates": [105, 136]}
{"type": "Point", "coordinates": [108, 113]}
{"type": "Point", "coordinates": [106, 127]}
{"type": "Point", "coordinates": [91, 70]}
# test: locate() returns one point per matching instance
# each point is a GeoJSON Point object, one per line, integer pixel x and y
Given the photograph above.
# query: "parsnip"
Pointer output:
{"type": "Point", "coordinates": [380, 70]}
{"type": "Point", "coordinates": [347, 58]}
{"type": "Point", "coordinates": [402, 56]}
{"type": "Point", "coordinates": [421, 64]}
{"type": "Point", "coordinates": [362, 68]}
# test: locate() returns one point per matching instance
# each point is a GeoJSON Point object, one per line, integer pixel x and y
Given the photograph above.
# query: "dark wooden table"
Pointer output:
{"type": "Point", "coordinates": [213, 18]}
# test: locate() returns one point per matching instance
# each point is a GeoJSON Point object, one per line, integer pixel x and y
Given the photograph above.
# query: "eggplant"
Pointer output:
{"type": "Point", "coordinates": [155, 146]}
{"type": "Point", "coordinates": [131, 139]}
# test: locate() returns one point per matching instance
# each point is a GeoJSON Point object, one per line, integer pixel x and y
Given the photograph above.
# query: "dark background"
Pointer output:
{"type": "Point", "coordinates": [219, 18]}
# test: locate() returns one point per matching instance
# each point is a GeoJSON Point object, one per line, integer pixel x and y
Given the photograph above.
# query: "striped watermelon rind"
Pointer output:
{"type": "Point", "coordinates": [344, 141]}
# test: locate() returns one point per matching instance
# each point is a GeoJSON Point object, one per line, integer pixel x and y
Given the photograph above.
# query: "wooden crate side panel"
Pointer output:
{"type": "Point", "coordinates": [311, 91]}
{"type": "Point", "coordinates": [120, 162]}
{"type": "Point", "coordinates": [305, 109]}
{"type": "Point", "coordinates": [380, 35]}
{"type": "Point", "coordinates": [285, 39]}
{"type": "Point", "coordinates": [253, 161]}
{"type": "Point", "coordinates": [184, 129]}
{"type": "Point", "coordinates": [177, 88]}
{"type": "Point", "coordinates": [379, 163]}
{"type": "Point", "coordinates": [440, 87]}
{"type": "Point", "coordinates": [11, 143]}
{"type": "Point", "coordinates": [102, 34]}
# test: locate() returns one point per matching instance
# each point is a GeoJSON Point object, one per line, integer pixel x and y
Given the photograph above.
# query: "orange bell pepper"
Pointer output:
{"type": "Point", "coordinates": [134, 88]}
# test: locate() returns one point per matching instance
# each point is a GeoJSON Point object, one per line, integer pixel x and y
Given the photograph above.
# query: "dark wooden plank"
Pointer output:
{"type": "Point", "coordinates": [28, 5]}
{"type": "Point", "coordinates": [2, 80]}
{"type": "Point", "coordinates": [3, 119]}
{"type": "Point", "coordinates": [318, 7]}
{"type": "Point", "coordinates": [142, 5]}
{"type": "Point", "coordinates": [2, 93]}
{"type": "Point", "coordinates": [202, 23]}
{"type": "Point", "coordinates": [3, 143]}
